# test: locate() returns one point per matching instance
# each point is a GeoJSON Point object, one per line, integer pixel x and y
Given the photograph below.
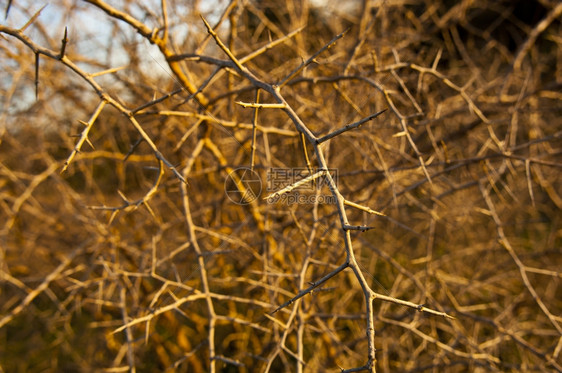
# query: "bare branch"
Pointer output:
{"type": "Point", "coordinates": [348, 127]}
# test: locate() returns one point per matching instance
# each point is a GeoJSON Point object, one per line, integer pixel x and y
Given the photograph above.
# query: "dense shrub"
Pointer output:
{"type": "Point", "coordinates": [134, 233]}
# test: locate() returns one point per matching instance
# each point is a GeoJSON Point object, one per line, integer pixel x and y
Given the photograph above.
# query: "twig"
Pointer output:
{"type": "Point", "coordinates": [362, 228]}
{"type": "Point", "coordinates": [504, 242]}
{"type": "Point", "coordinates": [534, 34]}
{"type": "Point", "coordinates": [84, 135]}
{"type": "Point", "coordinates": [258, 105]}
{"type": "Point", "coordinates": [36, 76]}
{"type": "Point", "coordinates": [128, 332]}
{"type": "Point", "coordinates": [308, 61]}
{"type": "Point", "coordinates": [221, 45]}
{"type": "Point", "coordinates": [254, 132]}
{"type": "Point", "coordinates": [270, 45]}
{"type": "Point", "coordinates": [529, 182]}
{"type": "Point", "coordinates": [64, 41]}
{"type": "Point", "coordinates": [418, 307]}
{"type": "Point", "coordinates": [8, 9]}
{"type": "Point", "coordinates": [165, 19]}
{"type": "Point", "coordinates": [313, 286]}
{"type": "Point", "coordinates": [108, 71]}
{"type": "Point", "coordinates": [55, 274]}
{"type": "Point", "coordinates": [31, 20]}
{"type": "Point", "coordinates": [133, 205]}
{"type": "Point", "coordinates": [349, 127]}
{"type": "Point", "coordinates": [212, 317]}
{"type": "Point", "coordinates": [98, 89]}
{"type": "Point", "coordinates": [364, 208]}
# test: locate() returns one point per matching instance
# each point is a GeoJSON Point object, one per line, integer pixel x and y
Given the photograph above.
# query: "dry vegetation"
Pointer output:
{"type": "Point", "coordinates": [121, 251]}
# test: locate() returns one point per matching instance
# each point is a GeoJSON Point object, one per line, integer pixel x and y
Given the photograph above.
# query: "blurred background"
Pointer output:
{"type": "Point", "coordinates": [111, 266]}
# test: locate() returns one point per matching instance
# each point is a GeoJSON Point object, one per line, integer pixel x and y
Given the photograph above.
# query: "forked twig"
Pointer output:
{"type": "Point", "coordinates": [84, 135]}
{"type": "Point", "coordinates": [299, 68]}
{"type": "Point", "coordinates": [55, 274]}
{"type": "Point", "coordinates": [221, 45]}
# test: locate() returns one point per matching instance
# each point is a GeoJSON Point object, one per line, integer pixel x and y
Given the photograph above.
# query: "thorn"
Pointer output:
{"type": "Point", "coordinates": [123, 197]}
{"type": "Point", "coordinates": [36, 76]}
{"type": "Point", "coordinates": [64, 41]}
{"type": "Point", "coordinates": [8, 9]}
{"type": "Point", "coordinates": [32, 19]}
{"type": "Point", "coordinates": [89, 143]}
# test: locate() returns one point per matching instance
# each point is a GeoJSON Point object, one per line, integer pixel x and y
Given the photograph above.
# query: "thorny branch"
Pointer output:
{"type": "Point", "coordinates": [193, 281]}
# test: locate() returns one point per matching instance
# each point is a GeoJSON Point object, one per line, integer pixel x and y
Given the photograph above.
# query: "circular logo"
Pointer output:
{"type": "Point", "coordinates": [242, 186]}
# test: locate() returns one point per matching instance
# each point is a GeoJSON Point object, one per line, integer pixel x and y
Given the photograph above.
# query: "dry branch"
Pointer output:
{"type": "Point", "coordinates": [459, 273]}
